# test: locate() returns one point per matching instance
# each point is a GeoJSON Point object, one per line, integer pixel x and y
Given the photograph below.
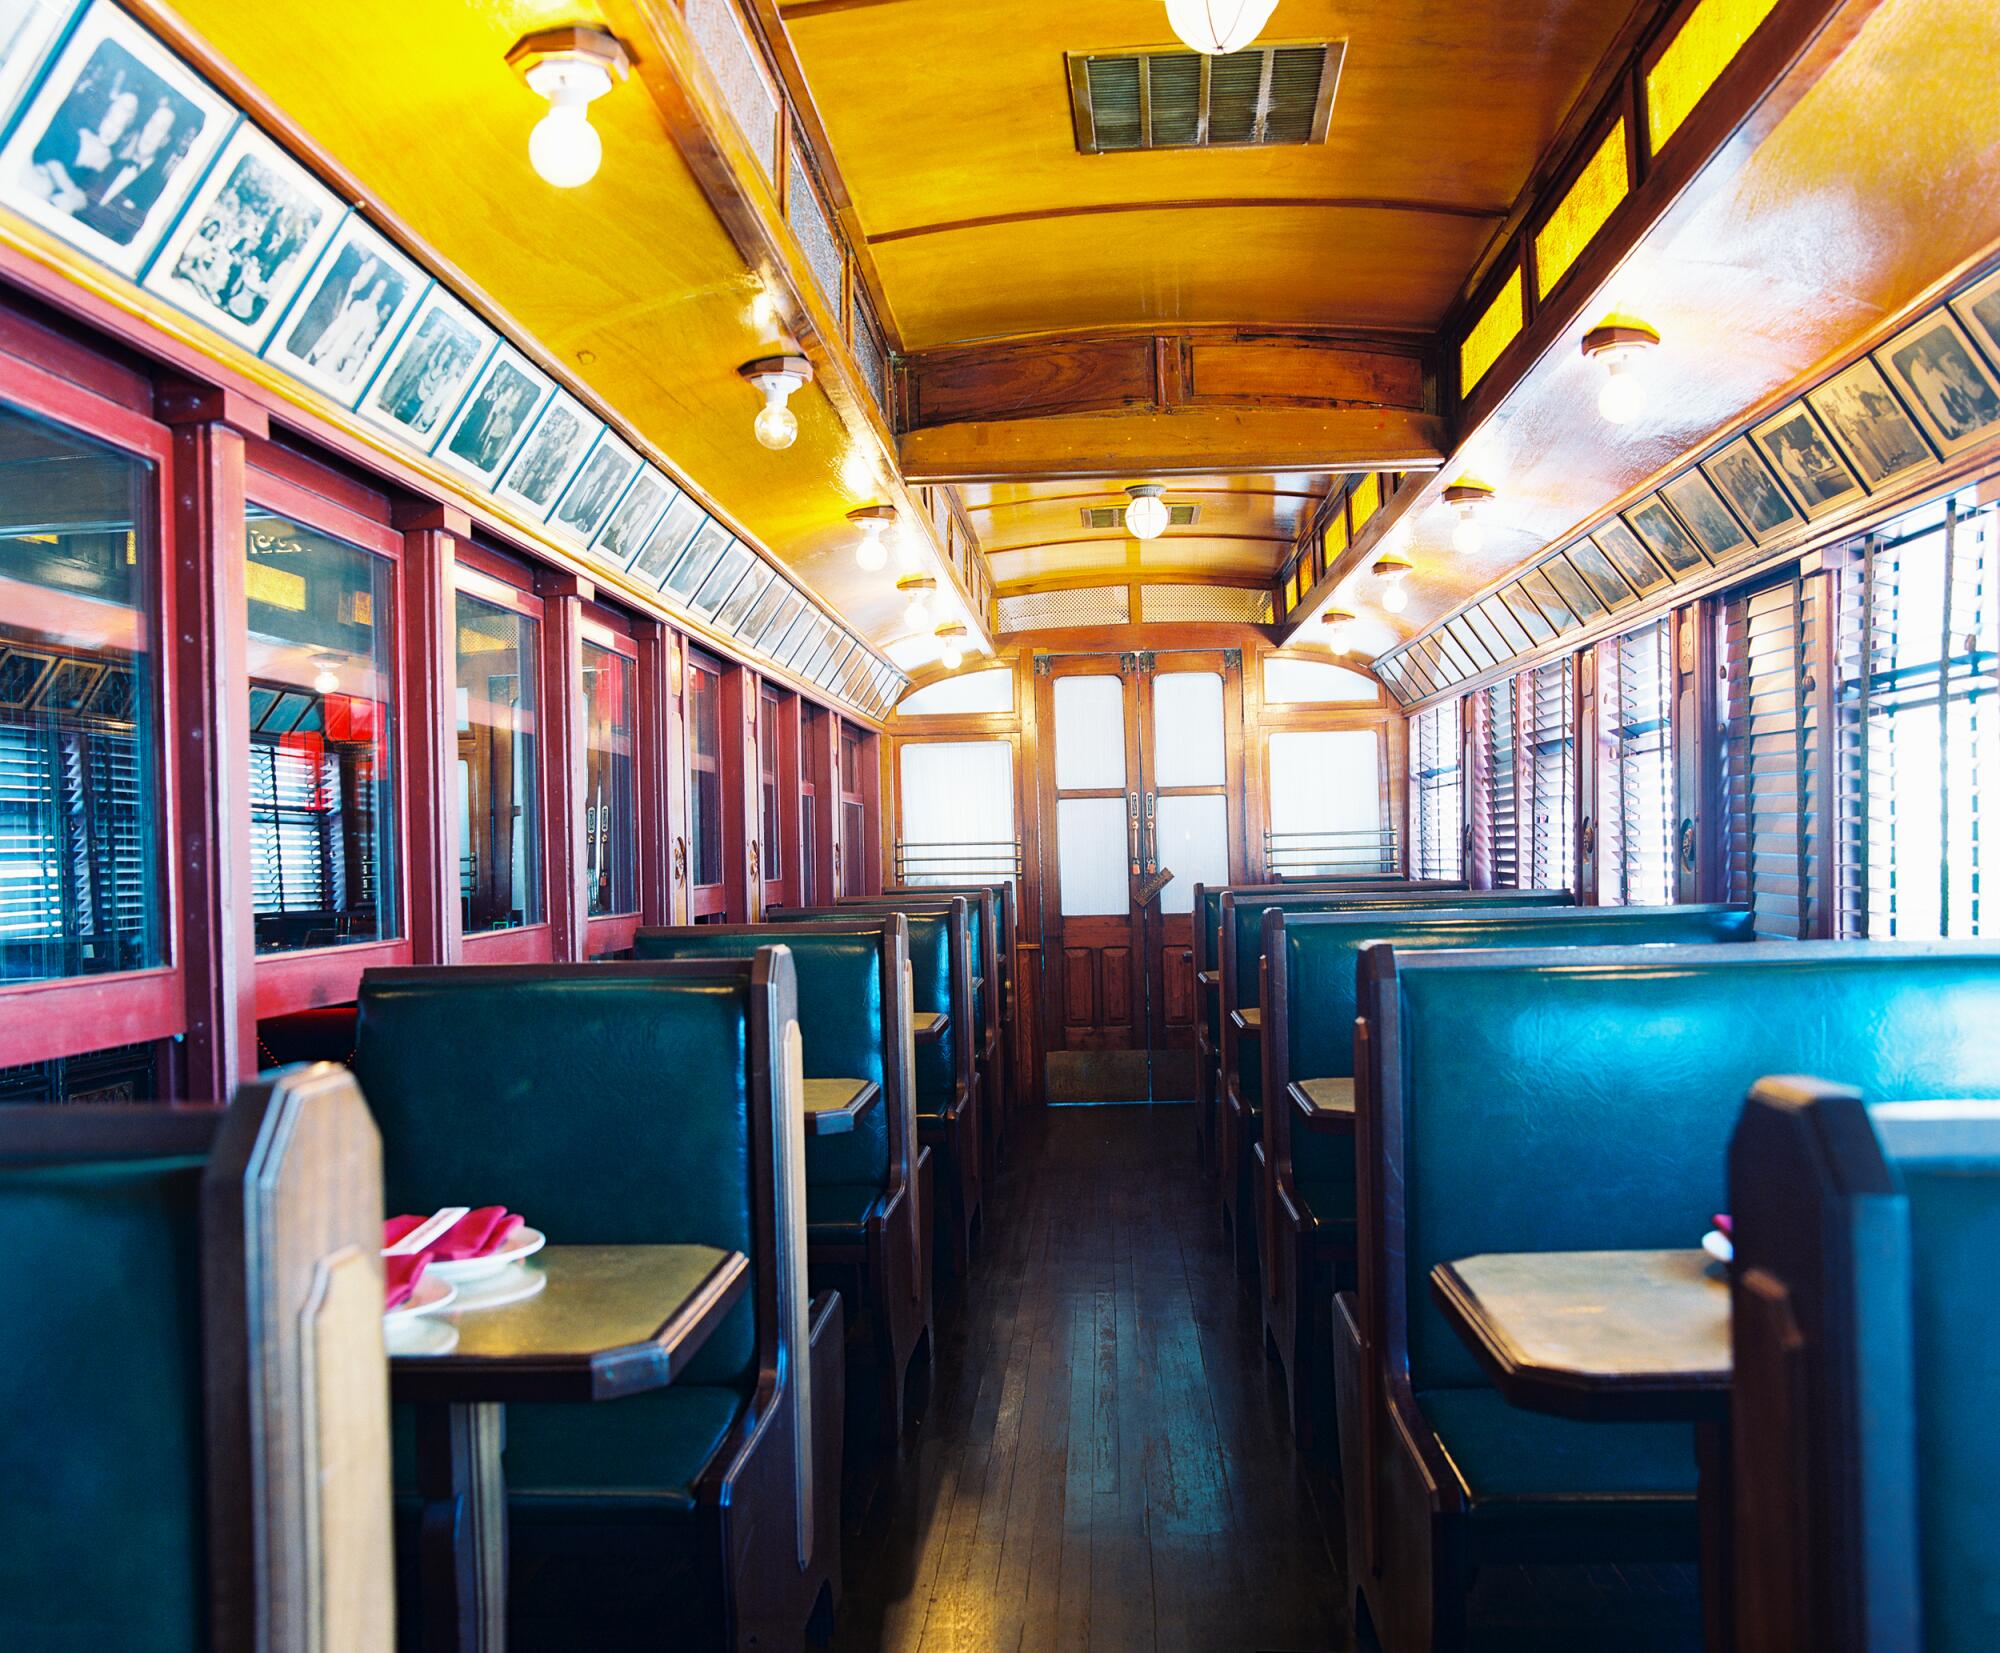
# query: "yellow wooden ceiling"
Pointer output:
{"type": "Point", "coordinates": [951, 123]}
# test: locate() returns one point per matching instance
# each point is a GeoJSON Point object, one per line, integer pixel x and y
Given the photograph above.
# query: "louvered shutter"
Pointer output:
{"type": "Point", "coordinates": [1635, 694]}
{"type": "Point", "coordinates": [1549, 811]}
{"type": "Point", "coordinates": [1501, 822]}
{"type": "Point", "coordinates": [288, 826]}
{"type": "Point", "coordinates": [30, 843]}
{"type": "Point", "coordinates": [1773, 728]}
{"type": "Point", "coordinates": [1435, 806]}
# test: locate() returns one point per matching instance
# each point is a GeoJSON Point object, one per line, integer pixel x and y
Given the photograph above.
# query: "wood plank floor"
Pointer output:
{"type": "Point", "coordinates": [1105, 1459]}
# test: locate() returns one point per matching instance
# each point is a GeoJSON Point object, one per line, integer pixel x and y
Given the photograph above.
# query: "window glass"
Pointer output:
{"type": "Point", "coordinates": [767, 781]}
{"type": "Point", "coordinates": [982, 691]}
{"type": "Point", "coordinates": [1635, 692]}
{"type": "Point", "coordinates": [499, 824]}
{"type": "Point", "coordinates": [704, 715]}
{"type": "Point", "coordinates": [1326, 804]}
{"type": "Point", "coordinates": [610, 825]}
{"type": "Point", "coordinates": [1435, 795]}
{"type": "Point", "coordinates": [956, 823]}
{"type": "Point", "coordinates": [1288, 680]}
{"type": "Point", "coordinates": [1090, 732]}
{"type": "Point", "coordinates": [80, 885]}
{"type": "Point", "coordinates": [322, 703]}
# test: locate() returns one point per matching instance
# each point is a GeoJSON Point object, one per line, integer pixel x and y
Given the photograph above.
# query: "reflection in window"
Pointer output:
{"type": "Point", "coordinates": [499, 836]}
{"type": "Point", "coordinates": [853, 814]}
{"type": "Point", "coordinates": [79, 840]}
{"type": "Point", "coordinates": [767, 780]}
{"type": "Point", "coordinates": [610, 825]}
{"type": "Point", "coordinates": [704, 702]}
{"type": "Point", "coordinates": [322, 823]}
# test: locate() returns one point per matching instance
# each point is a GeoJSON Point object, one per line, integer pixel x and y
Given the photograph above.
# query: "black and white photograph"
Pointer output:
{"type": "Point", "coordinates": [1804, 458]}
{"type": "Point", "coordinates": [1610, 586]}
{"type": "Point", "coordinates": [1741, 477]}
{"type": "Point", "coordinates": [110, 146]}
{"type": "Point", "coordinates": [1665, 537]}
{"type": "Point", "coordinates": [1627, 553]}
{"type": "Point", "coordinates": [1979, 308]}
{"type": "Point", "coordinates": [1869, 424]}
{"type": "Point", "coordinates": [555, 447]}
{"type": "Point", "coordinates": [1700, 507]}
{"type": "Point", "coordinates": [663, 545]}
{"type": "Point", "coordinates": [247, 240]}
{"type": "Point", "coordinates": [353, 307]}
{"type": "Point", "coordinates": [1935, 363]}
{"type": "Point", "coordinates": [588, 501]}
{"type": "Point", "coordinates": [637, 512]}
{"type": "Point", "coordinates": [429, 370]}
{"type": "Point", "coordinates": [27, 27]}
{"type": "Point", "coordinates": [496, 416]}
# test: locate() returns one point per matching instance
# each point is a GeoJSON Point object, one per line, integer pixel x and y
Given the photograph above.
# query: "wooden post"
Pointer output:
{"type": "Point", "coordinates": [658, 678]}
{"type": "Point", "coordinates": [1589, 813]}
{"type": "Point", "coordinates": [561, 721]}
{"type": "Point", "coordinates": [211, 746]}
{"type": "Point", "coordinates": [429, 640]}
{"type": "Point", "coordinates": [737, 754]}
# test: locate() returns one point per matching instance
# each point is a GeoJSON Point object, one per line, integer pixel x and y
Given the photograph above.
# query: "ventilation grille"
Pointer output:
{"type": "Point", "coordinates": [1097, 605]}
{"type": "Point", "coordinates": [1243, 605]}
{"type": "Point", "coordinates": [811, 228]}
{"type": "Point", "coordinates": [1185, 100]}
{"type": "Point", "coordinates": [1113, 516]}
{"type": "Point", "coordinates": [739, 71]}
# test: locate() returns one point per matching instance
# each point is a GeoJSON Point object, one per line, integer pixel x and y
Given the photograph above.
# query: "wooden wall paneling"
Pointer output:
{"type": "Point", "coordinates": [561, 720]}
{"type": "Point", "coordinates": [211, 753]}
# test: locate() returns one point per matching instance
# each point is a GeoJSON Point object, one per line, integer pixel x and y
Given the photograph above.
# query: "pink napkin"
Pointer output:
{"type": "Point", "coordinates": [478, 1233]}
{"type": "Point", "coordinates": [1722, 1222]}
{"type": "Point", "coordinates": [400, 1276]}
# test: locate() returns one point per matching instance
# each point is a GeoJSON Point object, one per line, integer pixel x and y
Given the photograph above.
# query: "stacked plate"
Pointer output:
{"type": "Point", "coordinates": [462, 1285]}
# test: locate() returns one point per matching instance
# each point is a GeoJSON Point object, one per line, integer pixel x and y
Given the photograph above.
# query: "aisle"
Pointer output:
{"type": "Point", "coordinates": [1105, 1461]}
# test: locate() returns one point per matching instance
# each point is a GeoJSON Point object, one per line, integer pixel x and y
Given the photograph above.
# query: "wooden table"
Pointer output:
{"type": "Point", "coordinates": [1614, 1336]}
{"type": "Point", "coordinates": [1208, 978]}
{"type": "Point", "coordinates": [930, 1024]}
{"type": "Point", "coordinates": [1324, 1105]}
{"type": "Point", "coordinates": [611, 1321]}
{"type": "Point", "coordinates": [833, 1106]}
{"type": "Point", "coordinates": [1249, 1019]}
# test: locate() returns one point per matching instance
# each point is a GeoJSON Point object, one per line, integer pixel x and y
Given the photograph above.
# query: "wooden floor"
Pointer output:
{"type": "Point", "coordinates": [1105, 1461]}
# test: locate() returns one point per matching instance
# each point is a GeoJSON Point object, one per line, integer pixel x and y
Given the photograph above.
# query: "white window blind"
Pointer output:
{"type": "Point", "coordinates": [956, 823]}
{"type": "Point", "coordinates": [294, 800]}
{"type": "Point", "coordinates": [1435, 793]}
{"type": "Point", "coordinates": [1498, 813]}
{"type": "Point", "coordinates": [30, 839]}
{"type": "Point", "coordinates": [1918, 726]}
{"type": "Point", "coordinates": [1549, 733]}
{"type": "Point", "coordinates": [1769, 755]}
{"type": "Point", "coordinates": [1635, 697]}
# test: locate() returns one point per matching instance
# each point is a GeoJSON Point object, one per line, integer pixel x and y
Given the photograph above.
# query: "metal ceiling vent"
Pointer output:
{"type": "Point", "coordinates": [1113, 516]}
{"type": "Point", "coordinates": [1185, 100]}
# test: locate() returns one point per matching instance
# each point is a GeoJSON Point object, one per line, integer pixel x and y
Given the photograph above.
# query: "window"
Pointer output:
{"type": "Point", "coordinates": [704, 720]}
{"type": "Point", "coordinates": [855, 749]}
{"type": "Point", "coordinates": [1292, 681]}
{"type": "Point", "coordinates": [499, 824]}
{"type": "Point", "coordinates": [1496, 804]}
{"type": "Point", "coordinates": [1548, 735]}
{"type": "Point", "coordinates": [1768, 756]}
{"type": "Point", "coordinates": [1326, 805]}
{"type": "Point", "coordinates": [80, 883]}
{"type": "Point", "coordinates": [770, 716]}
{"type": "Point", "coordinates": [991, 690]}
{"type": "Point", "coordinates": [1917, 677]}
{"type": "Point", "coordinates": [1635, 699]}
{"type": "Point", "coordinates": [1437, 842]}
{"type": "Point", "coordinates": [610, 821]}
{"type": "Point", "coordinates": [322, 800]}
{"type": "Point", "coordinates": [956, 824]}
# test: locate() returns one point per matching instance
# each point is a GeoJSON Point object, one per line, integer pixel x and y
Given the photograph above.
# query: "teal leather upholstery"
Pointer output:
{"type": "Point", "coordinates": [840, 1022]}
{"type": "Point", "coordinates": [609, 1104]}
{"type": "Point", "coordinates": [916, 907]}
{"type": "Point", "coordinates": [647, 1448]}
{"type": "Point", "coordinates": [103, 1539]}
{"type": "Point", "coordinates": [1508, 1460]}
{"type": "Point", "coordinates": [930, 973]}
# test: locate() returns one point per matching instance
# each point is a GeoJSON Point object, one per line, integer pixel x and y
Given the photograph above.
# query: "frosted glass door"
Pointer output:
{"type": "Point", "coordinates": [1192, 837]}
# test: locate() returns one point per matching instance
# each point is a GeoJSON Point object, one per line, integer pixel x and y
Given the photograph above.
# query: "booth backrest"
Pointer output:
{"type": "Point", "coordinates": [1867, 1398]}
{"type": "Point", "coordinates": [1002, 891]}
{"type": "Point", "coordinates": [846, 979]}
{"type": "Point", "coordinates": [1208, 903]}
{"type": "Point", "coordinates": [1582, 1098]}
{"type": "Point", "coordinates": [981, 927]}
{"type": "Point", "coordinates": [199, 1448]}
{"type": "Point", "coordinates": [609, 1104]}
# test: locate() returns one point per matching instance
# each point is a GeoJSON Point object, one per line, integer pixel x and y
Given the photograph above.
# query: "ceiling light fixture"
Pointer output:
{"type": "Point", "coordinates": [326, 674]}
{"type": "Point", "coordinates": [1468, 499]}
{"type": "Point", "coordinates": [1337, 622]}
{"type": "Point", "coordinates": [952, 655]}
{"type": "Point", "coordinates": [1619, 343]}
{"type": "Point", "coordinates": [873, 521]}
{"type": "Point", "coordinates": [777, 377]}
{"type": "Point", "coordinates": [1146, 517]}
{"type": "Point", "coordinates": [1217, 27]}
{"type": "Point", "coordinates": [918, 588]}
{"type": "Point", "coordinates": [572, 68]}
{"type": "Point", "coordinates": [1393, 569]}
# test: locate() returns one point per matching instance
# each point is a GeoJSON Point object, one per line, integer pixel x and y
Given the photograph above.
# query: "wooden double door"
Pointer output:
{"type": "Point", "coordinates": [1142, 794]}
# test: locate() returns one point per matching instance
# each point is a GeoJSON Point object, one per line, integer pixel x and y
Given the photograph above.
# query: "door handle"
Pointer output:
{"type": "Point", "coordinates": [1134, 846]}
{"type": "Point", "coordinates": [1152, 834]}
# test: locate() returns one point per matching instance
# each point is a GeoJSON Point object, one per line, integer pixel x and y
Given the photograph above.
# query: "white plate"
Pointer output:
{"type": "Point", "coordinates": [419, 1336]}
{"type": "Point", "coordinates": [1717, 1244]}
{"type": "Point", "coordinates": [489, 1291]}
{"type": "Point", "coordinates": [525, 1243]}
{"type": "Point", "coordinates": [431, 1294]}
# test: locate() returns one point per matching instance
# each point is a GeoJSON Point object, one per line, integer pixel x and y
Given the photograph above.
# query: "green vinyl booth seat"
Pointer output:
{"type": "Point", "coordinates": [1582, 1099]}
{"type": "Point", "coordinates": [842, 1025]}
{"type": "Point", "coordinates": [1865, 1240]}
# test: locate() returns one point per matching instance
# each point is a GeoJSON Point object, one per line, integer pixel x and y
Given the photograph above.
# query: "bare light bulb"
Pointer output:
{"type": "Point", "coordinates": [1467, 535]}
{"type": "Point", "coordinates": [951, 655]}
{"type": "Point", "coordinates": [564, 147]}
{"type": "Point", "coordinates": [777, 427]}
{"type": "Point", "coordinates": [327, 679]}
{"type": "Point", "coordinates": [1395, 599]}
{"type": "Point", "coordinates": [1622, 397]}
{"type": "Point", "coordinates": [871, 554]}
{"type": "Point", "coordinates": [917, 616]}
{"type": "Point", "coordinates": [1146, 517]}
{"type": "Point", "coordinates": [1218, 27]}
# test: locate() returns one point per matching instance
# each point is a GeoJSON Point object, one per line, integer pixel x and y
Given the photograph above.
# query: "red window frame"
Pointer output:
{"type": "Point", "coordinates": [705, 900]}
{"type": "Point", "coordinates": [614, 932]}
{"type": "Point", "coordinates": [315, 496]}
{"type": "Point", "coordinates": [51, 378]}
{"type": "Point", "coordinates": [778, 795]}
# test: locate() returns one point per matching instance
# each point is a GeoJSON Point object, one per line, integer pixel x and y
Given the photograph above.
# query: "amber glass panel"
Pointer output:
{"type": "Point", "coordinates": [1580, 214]}
{"type": "Point", "coordinates": [610, 825]}
{"type": "Point", "coordinates": [1490, 334]}
{"type": "Point", "coordinates": [80, 884]}
{"type": "Point", "coordinates": [1713, 34]}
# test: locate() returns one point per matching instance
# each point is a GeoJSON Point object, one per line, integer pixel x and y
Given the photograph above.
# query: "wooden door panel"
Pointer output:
{"type": "Point", "coordinates": [1177, 985]}
{"type": "Point", "coordinates": [1079, 987]}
